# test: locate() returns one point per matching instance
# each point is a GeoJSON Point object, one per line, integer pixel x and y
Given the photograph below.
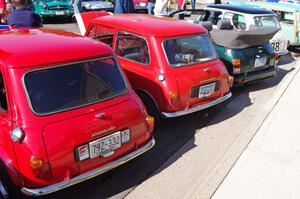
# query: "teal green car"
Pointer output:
{"type": "Point", "coordinates": [247, 54]}
{"type": "Point", "coordinates": [53, 9]}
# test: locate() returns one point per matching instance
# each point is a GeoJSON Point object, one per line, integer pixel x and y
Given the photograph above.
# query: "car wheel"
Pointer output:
{"type": "Point", "coordinates": [150, 105]}
{"type": "Point", "coordinates": [7, 189]}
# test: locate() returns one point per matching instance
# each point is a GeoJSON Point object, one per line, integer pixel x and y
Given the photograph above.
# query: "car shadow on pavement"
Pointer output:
{"type": "Point", "coordinates": [170, 135]}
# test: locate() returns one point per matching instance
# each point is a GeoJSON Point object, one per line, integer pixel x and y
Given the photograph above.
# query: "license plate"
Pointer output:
{"type": "Point", "coordinates": [276, 46]}
{"type": "Point", "coordinates": [260, 61]}
{"type": "Point", "coordinates": [207, 90]}
{"type": "Point", "coordinates": [59, 13]}
{"type": "Point", "coordinates": [105, 145]}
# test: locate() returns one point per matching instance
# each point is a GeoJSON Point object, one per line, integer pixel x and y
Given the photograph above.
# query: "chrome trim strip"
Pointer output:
{"type": "Point", "coordinates": [85, 176]}
{"type": "Point", "coordinates": [197, 108]}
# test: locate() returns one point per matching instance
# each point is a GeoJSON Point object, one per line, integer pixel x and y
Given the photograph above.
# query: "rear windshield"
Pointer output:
{"type": "Point", "coordinates": [266, 21]}
{"type": "Point", "coordinates": [189, 50]}
{"type": "Point", "coordinates": [75, 85]}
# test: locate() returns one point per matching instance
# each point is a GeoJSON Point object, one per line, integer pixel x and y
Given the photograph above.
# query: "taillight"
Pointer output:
{"type": "Point", "coordinates": [230, 80]}
{"type": "Point", "coordinates": [276, 59]}
{"type": "Point", "coordinates": [150, 122]}
{"type": "Point", "coordinates": [236, 66]}
{"type": "Point", "coordinates": [39, 167]}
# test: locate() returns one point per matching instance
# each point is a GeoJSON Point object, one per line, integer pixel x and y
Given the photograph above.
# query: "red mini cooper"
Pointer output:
{"type": "Point", "coordinates": [67, 113]}
{"type": "Point", "coordinates": [171, 64]}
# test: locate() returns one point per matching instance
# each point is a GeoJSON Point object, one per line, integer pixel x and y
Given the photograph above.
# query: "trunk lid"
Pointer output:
{"type": "Point", "coordinates": [200, 79]}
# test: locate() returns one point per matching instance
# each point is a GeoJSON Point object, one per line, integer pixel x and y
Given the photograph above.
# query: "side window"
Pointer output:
{"type": "Point", "coordinates": [287, 18]}
{"type": "Point", "coordinates": [102, 33]}
{"type": "Point", "coordinates": [132, 47]}
{"type": "Point", "coordinates": [3, 102]}
{"type": "Point", "coordinates": [214, 17]}
{"type": "Point", "coordinates": [237, 20]}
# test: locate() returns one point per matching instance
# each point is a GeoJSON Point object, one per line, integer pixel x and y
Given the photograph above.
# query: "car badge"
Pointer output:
{"type": "Point", "coordinates": [104, 131]}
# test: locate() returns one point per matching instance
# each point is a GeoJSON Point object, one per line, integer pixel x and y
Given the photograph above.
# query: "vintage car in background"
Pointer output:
{"type": "Point", "coordinates": [288, 16]}
{"type": "Point", "coordinates": [67, 118]}
{"type": "Point", "coordinates": [171, 64]}
{"type": "Point", "coordinates": [243, 17]}
{"type": "Point", "coordinates": [48, 9]}
{"type": "Point", "coordinates": [97, 6]}
{"type": "Point", "coordinates": [140, 6]}
{"type": "Point", "coordinates": [247, 54]}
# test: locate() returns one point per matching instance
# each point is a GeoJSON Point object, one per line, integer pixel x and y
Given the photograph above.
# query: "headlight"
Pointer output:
{"type": "Point", "coordinates": [44, 5]}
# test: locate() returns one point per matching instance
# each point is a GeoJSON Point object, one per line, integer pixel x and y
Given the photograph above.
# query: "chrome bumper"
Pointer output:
{"type": "Point", "coordinates": [197, 108]}
{"type": "Point", "coordinates": [88, 175]}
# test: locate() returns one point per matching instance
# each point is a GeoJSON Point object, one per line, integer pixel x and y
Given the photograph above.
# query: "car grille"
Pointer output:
{"type": "Point", "coordinates": [58, 7]}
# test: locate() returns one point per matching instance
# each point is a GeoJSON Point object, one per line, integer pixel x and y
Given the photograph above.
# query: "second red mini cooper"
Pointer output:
{"type": "Point", "coordinates": [171, 64]}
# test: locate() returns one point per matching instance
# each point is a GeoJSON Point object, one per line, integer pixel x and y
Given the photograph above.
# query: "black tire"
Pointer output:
{"type": "Point", "coordinates": [150, 105]}
{"type": "Point", "coordinates": [7, 189]}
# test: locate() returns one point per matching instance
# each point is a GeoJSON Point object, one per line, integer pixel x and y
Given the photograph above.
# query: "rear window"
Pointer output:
{"type": "Point", "coordinates": [266, 21]}
{"type": "Point", "coordinates": [189, 50]}
{"type": "Point", "coordinates": [72, 86]}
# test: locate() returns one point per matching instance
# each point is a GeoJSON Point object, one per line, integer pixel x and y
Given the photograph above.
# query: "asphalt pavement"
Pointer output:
{"type": "Point", "coordinates": [194, 153]}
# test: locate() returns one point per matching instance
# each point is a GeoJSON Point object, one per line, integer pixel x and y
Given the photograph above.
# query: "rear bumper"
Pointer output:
{"type": "Point", "coordinates": [197, 108]}
{"type": "Point", "coordinates": [88, 175]}
{"type": "Point", "coordinates": [256, 75]}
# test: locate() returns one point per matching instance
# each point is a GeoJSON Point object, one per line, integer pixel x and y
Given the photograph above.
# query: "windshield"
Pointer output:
{"type": "Point", "coordinates": [266, 21]}
{"type": "Point", "coordinates": [75, 85]}
{"type": "Point", "coordinates": [189, 50]}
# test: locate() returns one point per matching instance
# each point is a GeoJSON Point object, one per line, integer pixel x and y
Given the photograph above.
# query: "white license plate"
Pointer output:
{"type": "Point", "coordinates": [207, 90]}
{"type": "Point", "coordinates": [59, 13]}
{"type": "Point", "coordinates": [105, 145]}
{"type": "Point", "coordinates": [260, 61]}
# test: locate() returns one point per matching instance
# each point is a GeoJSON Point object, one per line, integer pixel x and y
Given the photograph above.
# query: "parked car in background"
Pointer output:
{"type": "Point", "coordinates": [288, 17]}
{"type": "Point", "coordinates": [67, 112]}
{"type": "Point", "coordinates": [171, 64]}
{"type": "Point", "coordinates": [243, 17]}
{"type": "Point", "coordinates": [48, 9]}
{"type": "Point", "coordinates": [140, 6]}
{"type": "Point", "coordinates": [247, 54]}
{"type": "Point", "coordinates": [97, 6]}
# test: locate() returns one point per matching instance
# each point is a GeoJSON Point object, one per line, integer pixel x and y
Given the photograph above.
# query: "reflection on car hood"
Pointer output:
{"type": "Point", "coordinates": [243, 39]}
{"type": "Point", "coordinates": [100, 4]}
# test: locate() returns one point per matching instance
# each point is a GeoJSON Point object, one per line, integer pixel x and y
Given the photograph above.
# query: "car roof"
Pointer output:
{"type": "Point", "coordinates": [275, 6]}
{"type": "Point", "coordinates": [241, 9]}
{"type": "Point", "coordinates": [37, 47]}
{"type": "Point", "coordinates": [150, 25]}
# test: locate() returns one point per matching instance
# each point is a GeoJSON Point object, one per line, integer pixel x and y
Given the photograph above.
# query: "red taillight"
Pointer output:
{"type": "Point", "coordinates": [276, 59]}
{"type": "Point", "coordinates": [230, 80]}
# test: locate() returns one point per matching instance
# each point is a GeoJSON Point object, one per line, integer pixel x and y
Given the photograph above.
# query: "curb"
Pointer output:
{"type": "Point", "coordinates": [210, 184]}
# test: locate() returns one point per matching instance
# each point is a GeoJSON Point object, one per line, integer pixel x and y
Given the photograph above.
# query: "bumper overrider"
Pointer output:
{"type": "Point", "coordinates": [197, 108]}
{"type": "Point", "coordinates": [257, 75]}
{"type": "Point", "coordinates": [88, 175]}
